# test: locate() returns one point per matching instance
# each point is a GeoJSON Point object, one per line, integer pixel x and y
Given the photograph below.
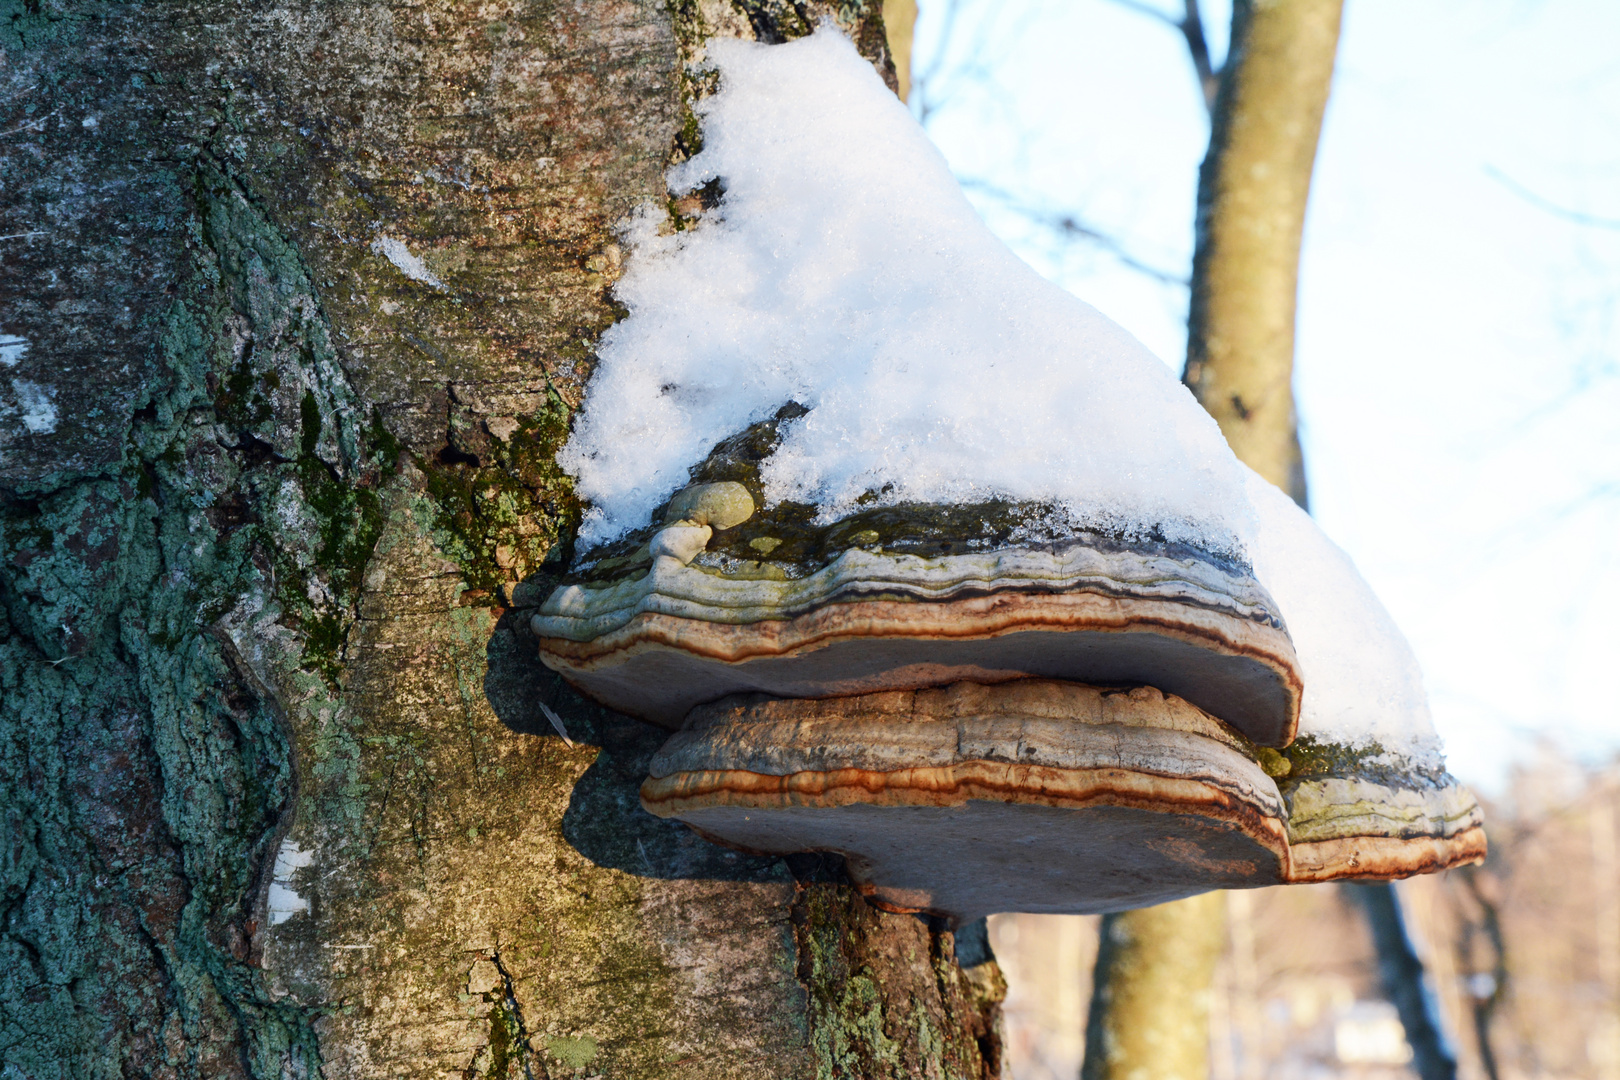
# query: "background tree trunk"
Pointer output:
{"type": "Point", "coordinates": [1151, 996]}
{"type": "Point", "coordinates": [1252, 192]}
{"type": "Point", "coordinates": [900, 19]}
{"type": "Point", "coordinates": [1150, 1011]}
{"type": "Point", "coordinates": [309, 292]}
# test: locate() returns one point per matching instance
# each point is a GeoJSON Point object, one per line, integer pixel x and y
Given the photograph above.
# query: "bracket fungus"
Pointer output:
{"type": "Point", "coordinates": [1035, 795]}
{"type": "Point", "coordinates": [677, 630]}
{"type": "Point", "coordinates": [929, 563]}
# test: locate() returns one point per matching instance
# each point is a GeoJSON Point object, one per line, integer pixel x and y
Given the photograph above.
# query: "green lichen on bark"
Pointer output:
{"type": "Point", "coordinates": [146, 772]}
{"type": "Point", "coordinates": [1313, 758]}
{"type": "Point", "coordinates": [253, 591]}
{"type": "Point", "coordinates": [886, 997]}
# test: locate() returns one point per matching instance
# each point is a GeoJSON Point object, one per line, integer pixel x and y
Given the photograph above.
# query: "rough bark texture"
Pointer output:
{"type": "Point", "coordinates": [308, 293]}
{"type": "Point", "coordinates": [1150, 998]}
{"type": "Point", "coordinates": [1252, 192]}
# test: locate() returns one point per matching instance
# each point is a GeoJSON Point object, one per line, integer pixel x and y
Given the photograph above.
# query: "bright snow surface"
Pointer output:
{"type": "Point", "coordinates": [845, 270]}
{"type": "Point", "coordinates": [1362, 683]}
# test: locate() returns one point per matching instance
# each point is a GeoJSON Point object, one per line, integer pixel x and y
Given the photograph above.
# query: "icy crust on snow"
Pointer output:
{"type": "Point", "coordinates": [1363, 685]}
{"type": "Point", "coordinates": [845, 270]}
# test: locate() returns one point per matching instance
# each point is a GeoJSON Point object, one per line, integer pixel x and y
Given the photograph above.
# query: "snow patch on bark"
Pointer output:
{"type": "Point", "coordinates": [12, 349]}
{"type": "Point", "coordinates": [408, 264]}
{"type": "Point", "coordinates": [36, 406]}
{"type": "Point", "coordinates": [283, 901]}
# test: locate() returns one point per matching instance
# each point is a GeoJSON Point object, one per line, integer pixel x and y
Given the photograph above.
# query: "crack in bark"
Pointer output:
{"type": "Point", "coordinates": [520, 1038]}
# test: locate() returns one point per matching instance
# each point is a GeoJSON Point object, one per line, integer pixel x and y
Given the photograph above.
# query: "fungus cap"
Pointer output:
{"type": "Point", "coordinates": [1037, 795]}
{"type": "Point", "coordinates": [689, 631]}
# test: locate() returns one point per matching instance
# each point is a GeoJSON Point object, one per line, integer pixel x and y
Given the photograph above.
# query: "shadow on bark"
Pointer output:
{"type": "Point", "coordinates": [604, 820]}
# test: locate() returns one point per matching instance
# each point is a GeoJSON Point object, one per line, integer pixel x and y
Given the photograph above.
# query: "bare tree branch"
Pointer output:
{"type": "Point", "coordinates": [1191, 27]}
{"type": "Point", "coordinates": [1401, 972]}
{"type": "Point", "coordinates": [1071, 227]}
{"type": "Point", "coordinates": [1541, 203]}
{"type": "Point", "coordinates": [1150, 11]}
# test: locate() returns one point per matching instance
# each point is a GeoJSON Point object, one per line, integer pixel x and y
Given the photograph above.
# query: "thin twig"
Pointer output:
{"type": "Point", "coordinates": [1191, 28]}
{"type": "Point", "coordinates": [1071, 226]}
{"type": "Point", "coordinates": [556, 722]}
{"type": "Point", "coordinates": [1548, 205]}
{"type": "Point", "coordinates": [30, 123]}
{"type": "Point", "coordinates": [1150, 11]}
{"type": "Point", "coordinates": [1209, 80]}
{"type": "Point", "coordinates": [23, 235]}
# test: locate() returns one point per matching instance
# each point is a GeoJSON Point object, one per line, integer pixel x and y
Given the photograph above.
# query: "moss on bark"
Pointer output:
{"type": "Point", "coordinates": [256, 583]}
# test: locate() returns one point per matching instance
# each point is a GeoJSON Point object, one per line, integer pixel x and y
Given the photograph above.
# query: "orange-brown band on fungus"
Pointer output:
{"type": "Point", "coordinates": [1384, 858]}
{"type": "Point", "coordinates": [966, 618]}
{"type": "Point", "coordinates": [953, 785]}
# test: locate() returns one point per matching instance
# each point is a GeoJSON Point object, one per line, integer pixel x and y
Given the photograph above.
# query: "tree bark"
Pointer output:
{"type": "Point", "coordinates": [298, 301]}
{"type": "Point", "coordinates": [900, 18]}
{"type": "Point", "coordinates": [1252, 192]}
{"type": "Point", "coordinates": [1151, 994]}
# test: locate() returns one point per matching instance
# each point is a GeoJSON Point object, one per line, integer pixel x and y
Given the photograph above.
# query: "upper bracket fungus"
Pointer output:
{"type": "Point", "coordinates": [680, 631]}
{"type": "Point", "coordinates": [930, 564]}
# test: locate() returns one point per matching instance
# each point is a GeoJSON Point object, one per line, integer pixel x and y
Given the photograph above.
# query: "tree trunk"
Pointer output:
{"type": "Point", "coordinates": [298, 301]}
{"type": "Point", "coordinates": [1252, 192]}
{"type": "Point", "coordinates": [900, 17]}
{"type": "Point", "coordinates": [1151, 995]}
{"type": "Point", "coordinates": [1150, 1012]}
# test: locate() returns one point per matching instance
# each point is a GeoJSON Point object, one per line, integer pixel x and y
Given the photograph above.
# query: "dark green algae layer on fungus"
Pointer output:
{"type": "Point", "coordinates": [787, 540]}
{"type": "Point", "coordinates": [1309, 758]}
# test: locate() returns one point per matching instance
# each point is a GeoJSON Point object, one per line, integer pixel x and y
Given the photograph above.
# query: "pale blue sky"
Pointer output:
{"type": "Point", "coordinates": [1458, 365]}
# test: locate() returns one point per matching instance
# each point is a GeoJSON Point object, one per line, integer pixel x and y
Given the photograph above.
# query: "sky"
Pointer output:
{"type": "Point", "coordinates": [1458, 354]}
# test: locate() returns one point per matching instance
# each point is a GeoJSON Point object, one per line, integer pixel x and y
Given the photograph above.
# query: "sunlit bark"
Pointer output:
{"type": "Point", "coordinates": [1252, 193]}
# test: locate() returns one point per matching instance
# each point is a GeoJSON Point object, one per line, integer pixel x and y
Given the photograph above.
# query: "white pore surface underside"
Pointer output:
{"type": "Point", "coordinates": [845, 270]}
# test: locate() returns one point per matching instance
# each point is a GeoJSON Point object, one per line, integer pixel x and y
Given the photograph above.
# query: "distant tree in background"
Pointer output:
{"type": "Point", "coordinates": [1155, 967]}
{"type": "Point", "coordinates": [1266, 104]}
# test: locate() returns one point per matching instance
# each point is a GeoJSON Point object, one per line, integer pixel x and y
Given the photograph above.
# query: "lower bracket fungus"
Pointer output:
{"type": "Point", "coordinates": [1040, 796]}
{"type": "Point", "coordinates": [1033, 795]}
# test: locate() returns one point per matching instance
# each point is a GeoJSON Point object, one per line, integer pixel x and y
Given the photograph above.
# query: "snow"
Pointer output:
{"type": "Point", "coordinates": [283, 901]}
{"type": "Point", "coordinates": [1362, 681]}
{"type": "Point", "coordinates": [37, 404]}
{"type": "Point", "coordinates": [12, 349]}
{"type": "Point", "coordinates": [845, 270]}
{"type": "Point", "coordinates": [406, 263]}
